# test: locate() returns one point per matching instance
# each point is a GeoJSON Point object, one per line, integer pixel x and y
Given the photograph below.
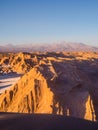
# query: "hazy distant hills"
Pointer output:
{"type": "Point", "coordinates": [63, 46]}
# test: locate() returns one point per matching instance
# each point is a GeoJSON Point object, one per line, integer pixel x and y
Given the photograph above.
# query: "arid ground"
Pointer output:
{"type": "Point", "coordinates": [12, 121]}
{"type": "Point", "coordinates": [54, 83]}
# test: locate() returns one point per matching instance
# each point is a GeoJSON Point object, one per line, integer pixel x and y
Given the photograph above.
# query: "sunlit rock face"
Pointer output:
{"type": "Point", "coordinates": [53, 85]}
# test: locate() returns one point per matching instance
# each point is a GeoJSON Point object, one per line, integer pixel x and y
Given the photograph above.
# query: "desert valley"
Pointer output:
{"type": "Point", "coordinates": [48, 65]}
{"type": "Point", "coordinates": [62, 83]}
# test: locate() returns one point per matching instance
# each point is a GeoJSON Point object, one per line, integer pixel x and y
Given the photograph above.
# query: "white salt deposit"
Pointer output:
{"type": "Point", "coordinates": [7, 80]}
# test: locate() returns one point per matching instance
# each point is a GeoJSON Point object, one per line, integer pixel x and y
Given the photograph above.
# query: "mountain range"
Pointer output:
{"type": "Point", "coordinates": [52, 47]}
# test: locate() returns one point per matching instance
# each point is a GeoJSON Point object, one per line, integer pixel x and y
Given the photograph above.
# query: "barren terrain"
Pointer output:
{"type": "Point", "coordinates": [61, 83]}
{"type": "Point", "coordinates": [14, 121]}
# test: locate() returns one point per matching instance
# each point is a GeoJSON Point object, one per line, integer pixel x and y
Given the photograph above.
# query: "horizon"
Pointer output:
{"type": "Point", "coordinates": [48, 21]}
{"type": "Point", "coordinates": [46, 47]}
{"type": "Point", "coordinates": [9, 45]}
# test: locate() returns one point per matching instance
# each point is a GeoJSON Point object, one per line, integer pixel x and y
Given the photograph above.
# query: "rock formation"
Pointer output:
{"type": "Point", "coordinates": [18, 62]}
{"type": "Point", "coordinates": [57, 83]}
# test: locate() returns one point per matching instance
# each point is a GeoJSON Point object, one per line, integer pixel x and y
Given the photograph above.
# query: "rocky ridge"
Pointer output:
{"type": "Point", "coordinates": [56, 83]}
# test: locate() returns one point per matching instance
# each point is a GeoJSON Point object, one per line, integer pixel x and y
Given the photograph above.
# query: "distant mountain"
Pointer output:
{"type": "Point", "coordinates": [63, 46]}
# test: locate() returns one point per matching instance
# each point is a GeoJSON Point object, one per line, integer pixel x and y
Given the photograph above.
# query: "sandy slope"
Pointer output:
{"type": "Point", "coordinates": [9, 121]}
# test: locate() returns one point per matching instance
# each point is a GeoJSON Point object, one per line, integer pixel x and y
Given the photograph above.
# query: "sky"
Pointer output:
{"type": "Point", "coordinates": [48, 21]}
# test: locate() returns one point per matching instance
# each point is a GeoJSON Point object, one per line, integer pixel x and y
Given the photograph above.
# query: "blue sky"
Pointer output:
{"type": "Point", "coordinates": [35, 21]}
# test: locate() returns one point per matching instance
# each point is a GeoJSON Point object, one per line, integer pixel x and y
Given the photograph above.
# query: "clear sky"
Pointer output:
{"type": "Point", "coordinates": [29, 21]}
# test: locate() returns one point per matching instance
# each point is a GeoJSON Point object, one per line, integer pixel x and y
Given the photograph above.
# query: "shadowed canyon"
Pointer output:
{"type": "Point", "coordinates": [59, 83]}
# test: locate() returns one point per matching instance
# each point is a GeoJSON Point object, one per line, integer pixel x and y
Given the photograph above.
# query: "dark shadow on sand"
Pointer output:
{"type": "Point", "coordinates": [15, 121]}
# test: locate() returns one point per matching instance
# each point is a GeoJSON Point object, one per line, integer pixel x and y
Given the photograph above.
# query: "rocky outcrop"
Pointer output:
{"type": "Point", "coordinates": [52, 86]}
{"type": "Point", "coordinates": [19, 62]}
{"type": "Point", "coordinates": [29, 95]}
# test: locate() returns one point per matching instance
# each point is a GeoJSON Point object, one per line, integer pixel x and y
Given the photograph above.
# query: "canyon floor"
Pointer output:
{"type": "Point", "coordinates": [54, 83]}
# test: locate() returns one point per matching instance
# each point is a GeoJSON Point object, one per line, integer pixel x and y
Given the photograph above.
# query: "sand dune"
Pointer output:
{"type": "Point", "coordinates": [9, 121]}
